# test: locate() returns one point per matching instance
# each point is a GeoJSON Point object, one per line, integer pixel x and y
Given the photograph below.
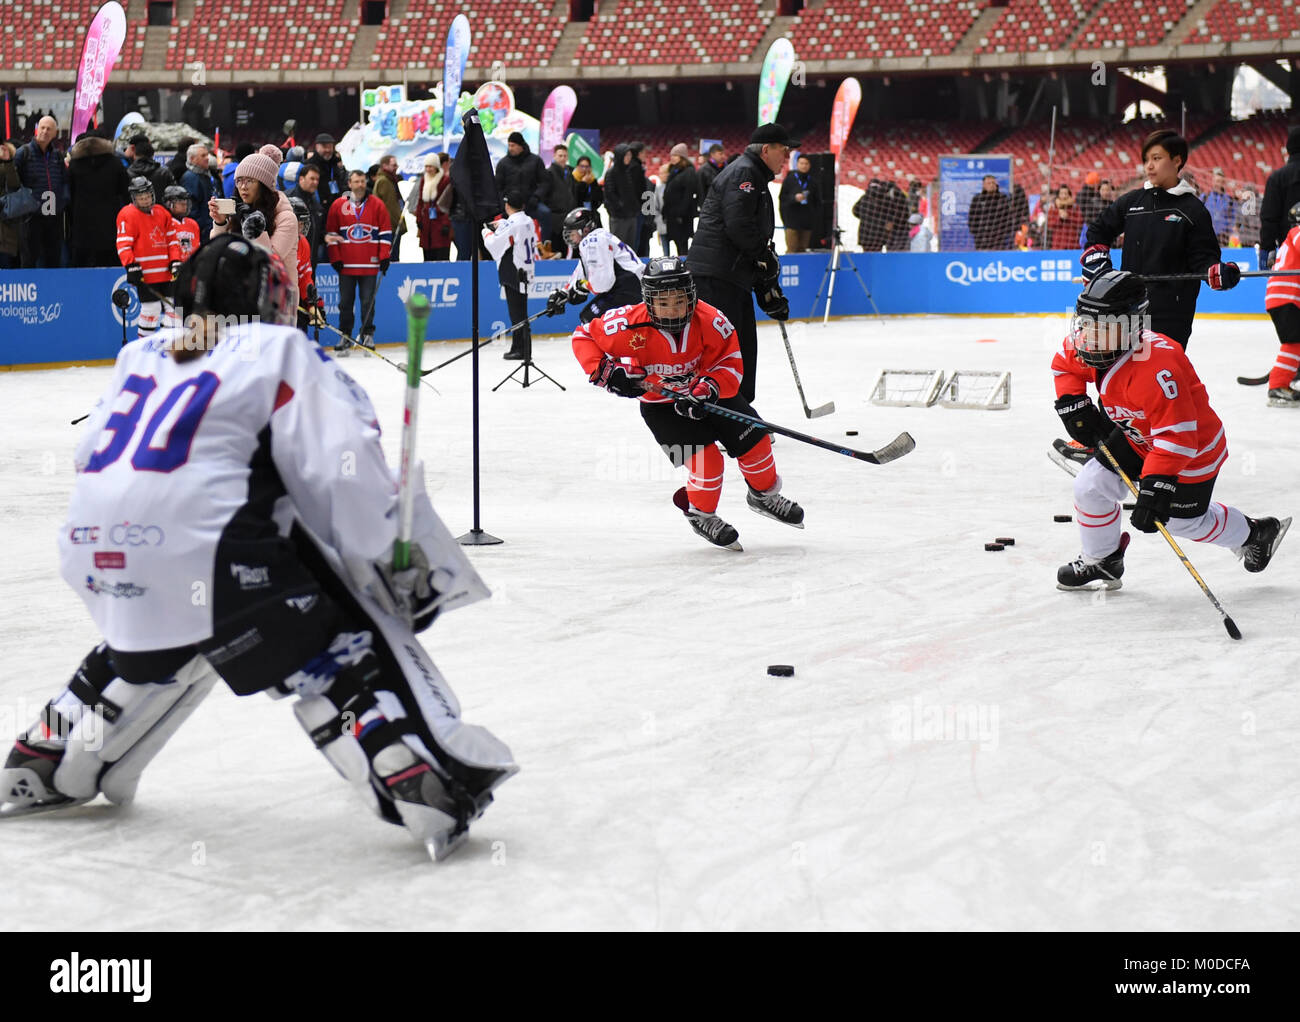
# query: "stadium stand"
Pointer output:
{"type": "Point", "coordinates": [1034, 25]}
{"type": "Point", "coordinates": [1123, 23]}
{"type": "Point", "coordinates": [1247, 20]}
{"type": "Point", "coordinates": [47, 35]}
{"type": "Point", "coordinates": [649, 31]}
{"type": "Point", "coordinates": [262, 35]}
{"type": "Point", "coordinates": [841, 30]}
{"type": "Point", "coordinates": [511, 31]}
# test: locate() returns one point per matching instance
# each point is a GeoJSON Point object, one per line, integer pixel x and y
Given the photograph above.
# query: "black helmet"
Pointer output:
{"type": "Point", "coordinates": [1109, 317]}
{"type": "Point", "coordinates": [230, 276]}
{"type": "Point", "coordinates": [139, 186]}
{"type": "Point", "coordinates": [301, 211]}
{"type": "Point", "coordinates": [666, 275]}
{"type": "Point", "coordinates": [175, 193]}
{"type": "Point", "coordinates": [578, 224]}
{"type": "Point", "coordinates": [1293, 215]}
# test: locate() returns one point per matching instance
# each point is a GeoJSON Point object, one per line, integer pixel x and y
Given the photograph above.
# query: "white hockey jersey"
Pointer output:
{"type": "Point", "coordinates": [598, 255]}
{"type": "Point", "coordinates": [513, 243]}
{"type": "Point", "coordinates": [168, 460]}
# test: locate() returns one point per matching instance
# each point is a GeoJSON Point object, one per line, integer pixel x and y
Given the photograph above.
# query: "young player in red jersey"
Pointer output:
{"type": "Point", "coordinates": [1159, 426]}
{"type": "Point", "coordinates": [146, 244]}
{"type": "Point", "coordinates": [308, 299]}
{"type": "Point", "coordinates": [1282, 300]}
{"type": "Point", "coordinates": [177, 201]}
{"type": "Point", "coordinates": [675, 340]}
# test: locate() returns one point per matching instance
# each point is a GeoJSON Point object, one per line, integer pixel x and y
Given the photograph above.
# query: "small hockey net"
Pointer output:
{"type": "Point", "coordinates": [905, 388]}
{"type": "Point", "coordinates": [973, 389]}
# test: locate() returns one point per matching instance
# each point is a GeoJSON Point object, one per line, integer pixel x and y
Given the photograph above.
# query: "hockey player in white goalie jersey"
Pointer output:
{"type": "Point", "coordinates": [607, 271]}
{"type": "Point", "coordinates": [234, 518]}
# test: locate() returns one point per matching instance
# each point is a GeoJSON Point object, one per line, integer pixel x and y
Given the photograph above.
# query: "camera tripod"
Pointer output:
{"type": "Point", "coordinates": [833, 267]}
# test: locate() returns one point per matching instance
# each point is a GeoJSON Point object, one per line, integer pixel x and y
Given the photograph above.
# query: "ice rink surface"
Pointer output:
{"type": "Point", "coordinates": [961, 745]}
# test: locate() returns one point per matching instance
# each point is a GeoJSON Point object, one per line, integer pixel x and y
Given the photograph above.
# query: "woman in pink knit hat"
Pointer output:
{"type": "Point", "coordinates": [264, 215]}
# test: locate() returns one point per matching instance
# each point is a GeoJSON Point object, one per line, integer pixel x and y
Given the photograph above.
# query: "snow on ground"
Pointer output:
{"type": "Point", "coordinates": [961, 745]}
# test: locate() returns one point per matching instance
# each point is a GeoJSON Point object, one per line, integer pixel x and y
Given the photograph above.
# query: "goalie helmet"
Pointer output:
{"type": "Point", "coordinates": [174, 194]}
{"type": "Point", "coordinates": [230, 276]}
{"type": "Point", "coordinates": [664, 280]}
{"type": "Point", "coordinates": [141, 186]}
{"type": "Point", "coordinates": [303, 214]}
{"type": "Point", "coordinates": [1109, 317]}
{"type": "Point", "coordinates": [577, 225]}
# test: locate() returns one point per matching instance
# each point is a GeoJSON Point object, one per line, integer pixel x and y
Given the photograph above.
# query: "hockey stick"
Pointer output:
{"type": "Point", "coordinates": [1228, 623]}
{"type": "Point", "coordinates": [1161, 278]}
{"type": "Point", "coordinates": [814, 413]}
{"type": "Point", "coordinates": [1253, 381]}
{"type": "Point", "coordinates": [495, 337]}
{"type": "Point", "coordinates": [399, 366]}
{"type": "Point", "coordinates": [896, 448]}
{"type": "Point", "coordinates": [417, 315]}
{"type": "Point", "coordinates": [1071, 458]}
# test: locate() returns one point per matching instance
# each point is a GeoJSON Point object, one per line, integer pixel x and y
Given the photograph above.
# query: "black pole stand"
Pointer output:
{"type": "Point", "coordinates": [525, 365]}
{"type": "Point", "coordinates": [476, 536]}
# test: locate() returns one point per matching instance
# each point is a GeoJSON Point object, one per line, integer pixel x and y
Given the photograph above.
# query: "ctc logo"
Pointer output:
{"type": "Point", "coordinates": [133, 534]}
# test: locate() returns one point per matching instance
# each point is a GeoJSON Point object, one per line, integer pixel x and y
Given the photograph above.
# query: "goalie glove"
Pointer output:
{"type": "Point", "coordinates": [410, 594]}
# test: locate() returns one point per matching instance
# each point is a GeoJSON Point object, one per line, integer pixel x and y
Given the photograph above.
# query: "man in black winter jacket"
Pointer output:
{"type": "Point", "coordinates": [989, 218]}
{"type": "Point", "coordinates": [522, 170]}
{"type": "Point", "coordinates": [731, 256]}
{"type": "Point", "coordinates": [625, 183]}
{"type": "Point", "coordinates": [561, 200]}
{"type": "Point", "coordinates": [681, 201]}
{"type": "Point", "coordinates": [97, 182]}
{"type": "Point", "coordinates": [40, 167]}
{"type": "Point", "coordinates": [147, 167]}
{"type": "Point", "coordinates": [1281, 192]}
{"type": "Point", "coordinates": [1166, 229]}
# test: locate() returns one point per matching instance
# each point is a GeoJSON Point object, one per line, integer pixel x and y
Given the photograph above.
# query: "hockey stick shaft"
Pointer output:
{"type": "Point", "coordinates": [1161, 278]}
{"type": "Point", "coordinates": [896, 448]}
{"type": "Point", "coordinates": [365, 347]}
{"type": "Point", "coordinates": [809, 413]}
{"type": "Point", "coordinates": [417, 316]}
{"type": "Point", "coordinates": [1228, 623]}
{"type": "Point", "coordinates": [495, 337]}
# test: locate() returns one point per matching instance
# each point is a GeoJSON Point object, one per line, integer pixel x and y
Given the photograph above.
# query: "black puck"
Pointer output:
{"type": "Point", "coordinates": [1062, 518]}
{"type": "Point", "coordinates": [850, 432]}
{"type": "Point", "coordinates": [780, 670]}
{"type": "Point", "coordinates": [1005, 541]}
{"type": "Point", "coordinates": [994, 546]}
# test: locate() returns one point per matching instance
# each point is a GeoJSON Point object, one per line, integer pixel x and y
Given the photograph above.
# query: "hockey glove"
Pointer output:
{"type": "Point", "coordinates": [1266, 259]}
{"type": "Point", "coordinates": [253, 226]}
{"type": "Point", "coordinates": [174, 268]}
{"type": "Point", "coordinates": [772, 300]}
{"type": "Point", "coordinates": [689, 405]}
{"type": "Point", "coordinates": [579, 292]}
{"type": "Point", "coordinates": [768, 265]}
{"type": "Point", "coordinates": [383, 266]}
{"type": "Point", "coordinates": [1155, 494]}
{"type": "Point", "coordinates": [410, 593]}
{"type": "Point", "coordinates": [1082, 420]}
{"type": "Point", "coordinates": [557, 302]}
{"type": "Point", "coordinates": [1095, 260]}
{"type": "Point", "coordinates": [1223, 276]}
{"type": "Point", "coordinates": [523, 276]}
{"type": "Point", "coordinates": [135, 274]}
{"type": "Point", "coordinates": [625, 381]}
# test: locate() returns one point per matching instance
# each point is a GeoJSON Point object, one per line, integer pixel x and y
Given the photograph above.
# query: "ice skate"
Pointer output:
{"type": "Point", "coordinates": [708, 525]}
{"type": "Point", "coordinates": [343, 349]}
{"type": "Point", "coordinates": [26, 782]}
{"type": "Point", "coordinates": [770, 504]}
{"type": "Point", "coordinates": [1283, 397]}
{"type": "Point", "coordinates": [1086, 573]}
{"type": "Point", "coordinates": [1262, 543]}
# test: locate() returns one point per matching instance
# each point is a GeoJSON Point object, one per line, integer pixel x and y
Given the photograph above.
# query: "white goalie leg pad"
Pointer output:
{"type": "Point", "coordinates": [147, 716]}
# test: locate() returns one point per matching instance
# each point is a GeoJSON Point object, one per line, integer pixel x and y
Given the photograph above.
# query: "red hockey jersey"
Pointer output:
{"type": "Point", "coordinates": [366, 231]}
{"type": "Point", "coordinates": [1285, 290]}
{"type": "Point", "coordinates": [187, 236]}
{"type": "Point", "coordinates": [306, 278]}
{"type": "Point", "coordinates": [1155, 396]}
{"type": "Point", "coordinates": [148, 239]}
{"type": "Point", "coordinates": [708, 347]}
